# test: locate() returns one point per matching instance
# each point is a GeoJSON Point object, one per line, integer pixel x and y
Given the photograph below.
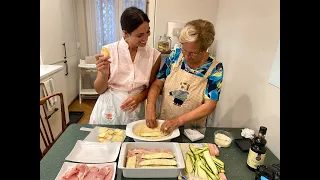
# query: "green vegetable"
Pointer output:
{"type": "Point", "coordinates": [157, 156]}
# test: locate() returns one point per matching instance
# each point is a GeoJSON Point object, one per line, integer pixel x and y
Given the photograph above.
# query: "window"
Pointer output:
{"type": "Point", "coordinates": [103, 21]}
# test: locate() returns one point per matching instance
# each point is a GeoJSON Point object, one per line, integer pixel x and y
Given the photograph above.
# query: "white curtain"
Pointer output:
{"type": "Point", "coordinates": [103, 21]}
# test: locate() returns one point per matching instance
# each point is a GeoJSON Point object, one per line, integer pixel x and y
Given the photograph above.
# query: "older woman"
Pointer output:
{"type": "Point", "coordinates": [190, 80]}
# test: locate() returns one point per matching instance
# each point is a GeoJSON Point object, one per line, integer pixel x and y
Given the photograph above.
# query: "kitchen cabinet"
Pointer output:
{"type": "Point", "coordinates": [58, 41]}
{"type": "Point", "coordinates": [50, 31]}
{"type": "Point", "coordinates": [57, 74]}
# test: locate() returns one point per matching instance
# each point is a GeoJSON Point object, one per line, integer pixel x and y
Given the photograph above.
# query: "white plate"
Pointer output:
{"type": "Point", "coordinates": [69, 165]}
{"type": "Point", "coordinates": [94, 152]}
{"type": "Point", "coordinates": [93, 135]}
{"type": "Point", "coordinates": [131, 127]}
{"type": "Point", "coordinates": [151, 172]}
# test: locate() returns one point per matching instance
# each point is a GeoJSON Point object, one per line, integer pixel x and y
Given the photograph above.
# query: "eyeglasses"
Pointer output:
{"type": "Point", "coordinates": [192, 54]}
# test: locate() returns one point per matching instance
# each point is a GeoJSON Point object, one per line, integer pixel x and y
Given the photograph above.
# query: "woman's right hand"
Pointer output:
{"type": "Point", "coordinates": [103, 64]}
{"type": "Point", "coordinates": [151, 121]}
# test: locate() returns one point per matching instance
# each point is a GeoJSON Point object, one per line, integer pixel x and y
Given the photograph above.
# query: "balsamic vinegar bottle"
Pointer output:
{"type": "Point", "coordinates": [258, 150]}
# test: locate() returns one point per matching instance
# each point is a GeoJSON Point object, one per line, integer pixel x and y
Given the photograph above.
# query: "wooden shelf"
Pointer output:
{"type": "Point", "coordinates": [88, 92]}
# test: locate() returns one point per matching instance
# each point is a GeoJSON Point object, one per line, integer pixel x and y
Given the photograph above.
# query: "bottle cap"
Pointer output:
{"type": "Point", "coordinates": [263, 130]}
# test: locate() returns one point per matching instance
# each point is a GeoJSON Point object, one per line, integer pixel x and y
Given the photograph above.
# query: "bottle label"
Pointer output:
{"type": "Point", "coordinates": [255, 159]}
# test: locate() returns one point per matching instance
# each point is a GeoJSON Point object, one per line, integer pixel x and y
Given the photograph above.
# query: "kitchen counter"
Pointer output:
{"type": "Point", "coordinates": [47, 70]}
{"type": "Point", "coordinates": [233, 157]}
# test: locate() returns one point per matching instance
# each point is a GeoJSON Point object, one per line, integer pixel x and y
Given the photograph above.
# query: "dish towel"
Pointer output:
{"type": "Point", "coordinates": [48, 89]}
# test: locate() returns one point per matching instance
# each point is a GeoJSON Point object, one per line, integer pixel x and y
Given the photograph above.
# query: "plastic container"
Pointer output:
{"type": "Point", "coordinates": [223, 138]}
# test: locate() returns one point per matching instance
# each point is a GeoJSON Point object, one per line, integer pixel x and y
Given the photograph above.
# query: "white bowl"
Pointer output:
{"type": "Point", "coordinates": [131, 127]}
{"type": "Point", "coordinates": [151, 172]}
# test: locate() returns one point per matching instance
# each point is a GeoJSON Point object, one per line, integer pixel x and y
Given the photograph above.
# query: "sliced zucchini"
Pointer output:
{"type": "Point", "coordinates": [158, 166]}
{"type": "Point", "coordinates": [131, 162]}
{"type": "Point", "coordinates": [157, 156]}
{"type": "Point", "coordinates": [163, 162]}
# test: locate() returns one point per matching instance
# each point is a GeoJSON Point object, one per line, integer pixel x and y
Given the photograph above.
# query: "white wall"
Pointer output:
{"type": "Point", "coordinates": [151, 14]}
{"type": "Point", "coordinates": [159, 13]}
{"type": "Point", "coordinates": [247, 33]}
{"type": "Point", "coordinates": [81, 28]}
{"type": "Point", "coordinates": [40, 58]}
{"type": "Point", "coordinates": [182, 11]}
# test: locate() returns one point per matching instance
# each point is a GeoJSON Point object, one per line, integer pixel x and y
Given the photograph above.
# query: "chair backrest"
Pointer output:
{"type": "Point", "coordinates": [45, 127]}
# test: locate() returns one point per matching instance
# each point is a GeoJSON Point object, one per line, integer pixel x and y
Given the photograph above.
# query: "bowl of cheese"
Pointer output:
{"type": "Point", "coordinates": [223, 138]}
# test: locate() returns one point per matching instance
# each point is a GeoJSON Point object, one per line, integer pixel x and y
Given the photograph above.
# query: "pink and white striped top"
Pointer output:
{"type": "Point", "coordinates": [126, 75]}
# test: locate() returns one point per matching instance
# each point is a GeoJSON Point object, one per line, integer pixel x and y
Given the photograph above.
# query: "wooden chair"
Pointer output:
{"type": "Point", "coordinates": [46, 130]}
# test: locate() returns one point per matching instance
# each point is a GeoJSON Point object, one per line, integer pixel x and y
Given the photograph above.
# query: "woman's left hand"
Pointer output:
{"type": "Point", "coordinates": [170, 124]}
{"type": "Point", "coordinates": [131, 103]}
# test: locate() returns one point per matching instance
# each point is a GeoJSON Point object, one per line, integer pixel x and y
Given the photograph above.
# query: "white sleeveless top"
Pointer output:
{"type": "Point", "coordinates": [126, 75]}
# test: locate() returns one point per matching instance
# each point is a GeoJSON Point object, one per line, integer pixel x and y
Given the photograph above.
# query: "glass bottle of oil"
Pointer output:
{"type": "Point", "coordinates": [258, 150]}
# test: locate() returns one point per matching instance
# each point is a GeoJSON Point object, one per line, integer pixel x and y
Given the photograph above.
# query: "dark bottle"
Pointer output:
{"type": "Point", "coordinates": [258, 150]}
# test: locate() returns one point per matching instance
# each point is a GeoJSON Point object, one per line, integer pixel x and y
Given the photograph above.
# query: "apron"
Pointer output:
{"type": "Point", "coordinates": [107, 108]}
{"type": "Point", "coordinates": [183, 92]}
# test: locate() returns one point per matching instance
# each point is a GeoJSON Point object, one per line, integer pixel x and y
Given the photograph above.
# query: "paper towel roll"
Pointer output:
{"type": "Point", "coordinates": [173, 30]}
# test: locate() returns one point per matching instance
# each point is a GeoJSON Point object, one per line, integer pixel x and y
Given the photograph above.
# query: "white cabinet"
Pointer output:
{"type": "Point", "coordinates": [58, 41]}
{"type": "Point", "coordinates": [72, 79]}
{"type": "Point", "coordinates": [50, 32]}
{"type": "Point", "coordinates": [68, 26]}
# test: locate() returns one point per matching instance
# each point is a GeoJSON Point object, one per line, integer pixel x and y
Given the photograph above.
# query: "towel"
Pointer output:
{"type": "Point", "coordinates": [48, 89]}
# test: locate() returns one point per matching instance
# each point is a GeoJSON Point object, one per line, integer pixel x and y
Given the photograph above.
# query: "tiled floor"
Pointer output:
{"type": "Point", "coordinates": [86, 106]}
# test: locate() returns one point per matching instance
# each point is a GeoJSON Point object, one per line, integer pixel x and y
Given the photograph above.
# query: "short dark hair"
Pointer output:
{"type": "Point", "coordinates": [132, 18]}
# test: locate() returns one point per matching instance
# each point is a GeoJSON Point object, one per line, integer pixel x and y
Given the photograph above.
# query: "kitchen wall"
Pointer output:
{"type": "Point", "coordinates": [81, 28]}
{"type": "Point", "coordinates": [159, 12]}
{"type": "Point", "coordinates": [40, 58]}
{"type": "Point", "coordinates": [247, 33]}
{"type": "Point", "coordinates": [180, 11]}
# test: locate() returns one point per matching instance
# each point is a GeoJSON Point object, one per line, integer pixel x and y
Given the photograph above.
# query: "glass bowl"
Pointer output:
{"type": "Point", "coordinates": [223, 138]}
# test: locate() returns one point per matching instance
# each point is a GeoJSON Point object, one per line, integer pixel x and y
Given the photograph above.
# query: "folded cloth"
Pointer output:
{"type": "Point", "coordinates": [247, 133]}
{"type": "Point", "coordinates": [48, 89]}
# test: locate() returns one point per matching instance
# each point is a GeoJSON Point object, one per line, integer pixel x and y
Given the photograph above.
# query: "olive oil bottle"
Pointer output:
{"type": "Point", "coordinates": [258, 150]}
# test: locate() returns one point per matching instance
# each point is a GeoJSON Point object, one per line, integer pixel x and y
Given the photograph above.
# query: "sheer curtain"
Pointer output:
{"type": "Point", "coordinates": [103, 21]}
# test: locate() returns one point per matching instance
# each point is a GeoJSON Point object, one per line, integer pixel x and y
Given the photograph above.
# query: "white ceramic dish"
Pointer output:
{"type": "Point", "coordinates": [93, 135]}
{"type": "Point", "coordinates": [94, 152]}
{"type": "Point", "coordinates": [69, 165]}
{"type": "Point", "coordinates": [131, 127]}
{"type": "Point", "coordinates": [151, 172]}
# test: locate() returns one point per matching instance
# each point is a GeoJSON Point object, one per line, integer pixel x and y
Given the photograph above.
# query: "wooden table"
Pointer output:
{"type": "Point", "coordinates": [233, 157]}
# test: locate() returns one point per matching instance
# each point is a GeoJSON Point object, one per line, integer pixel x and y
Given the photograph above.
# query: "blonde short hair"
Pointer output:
{"type": "Point", "coordinates": [201, 31]}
